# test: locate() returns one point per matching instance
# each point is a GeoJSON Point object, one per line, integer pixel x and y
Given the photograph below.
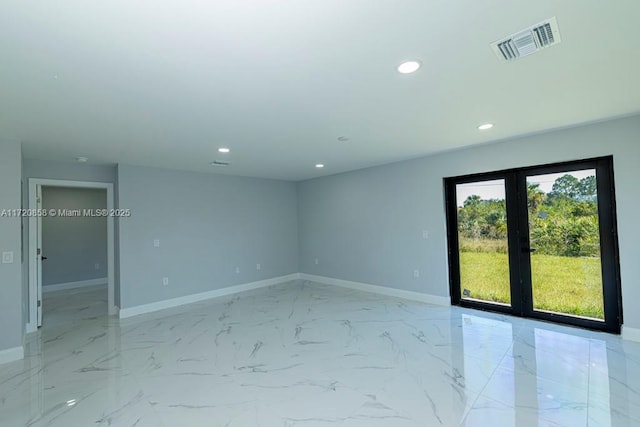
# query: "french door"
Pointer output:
{"type": "Point", "coordinates": [537, 242]}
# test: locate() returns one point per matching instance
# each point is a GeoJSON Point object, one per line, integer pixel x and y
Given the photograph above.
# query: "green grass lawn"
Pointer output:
{"type": "Point", "coordinates": [560, 284]}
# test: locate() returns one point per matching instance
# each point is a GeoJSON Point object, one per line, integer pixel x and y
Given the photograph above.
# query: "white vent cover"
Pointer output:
{"type": "Point", "coordinates": [526, 42]}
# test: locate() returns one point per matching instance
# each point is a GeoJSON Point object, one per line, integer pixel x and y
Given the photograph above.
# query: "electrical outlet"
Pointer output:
{"type": "Point", "coordinates": [425, 234]}
{"type": "Point", "coordinates": [96, 266]}
{"type": "Point", "coordinates": [258, 266]}
{"type": "Point", "coordinates": [165, 281]}
{"type": "Point", "coordinates": [7, 257]}
{"type": "Point", "coordinates": [317, 261]}
{"type": "Point", "coordinates": [237, 270]}
{"type": "Point", "coordinates": [416, 273]}
{"type": "Point", "coordinates": [156, 243]}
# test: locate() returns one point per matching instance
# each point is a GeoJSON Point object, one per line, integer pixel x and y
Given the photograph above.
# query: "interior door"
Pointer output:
{"type": "Point", "coordinates": [537, 242]}
{"type": "Point", "coordinates": [40, 257]}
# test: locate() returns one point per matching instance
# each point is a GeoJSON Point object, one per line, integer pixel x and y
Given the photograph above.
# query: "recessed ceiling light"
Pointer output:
{"type": "Point", "coordinates": [82, 159]}
{"type": "Point", "coordinates": [319, 165]}
{"type": "Point", "coordinates": [409, 67]}
{"type": "Point", "coordinates": [485, 126]}
{"type": "Point", "coordinates": [223, 150]}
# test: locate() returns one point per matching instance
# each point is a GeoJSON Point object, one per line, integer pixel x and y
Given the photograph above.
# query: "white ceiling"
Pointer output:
{"type": "Point", "coordinates": [165, 82]}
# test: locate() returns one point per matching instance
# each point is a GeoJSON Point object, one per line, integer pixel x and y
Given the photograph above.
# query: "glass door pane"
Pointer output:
{"type": "Point", "coordinates": [564, 236]}
{"type": "Point", "coordinates": [482, 241]}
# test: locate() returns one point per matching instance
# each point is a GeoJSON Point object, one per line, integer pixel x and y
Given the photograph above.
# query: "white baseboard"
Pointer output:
{"type": "Point", "coordinates": [74, 285]}
{"type": "Point", "coordinates": [382, 290]}
{"type": "Point", "coordinates": [630, 334]}
{"type": "Point", "coordinates": [11, 354]}
{"type": "Point", "coordinates": [188, 299]}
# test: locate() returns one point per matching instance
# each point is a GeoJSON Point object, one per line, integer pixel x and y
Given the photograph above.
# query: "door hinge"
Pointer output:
{"type": "Point", "coordinates": [38, 200]}
{"type": "Point", "coordinates": [39, 303]}
{"type": "Point", "coordinates": [38, 252]}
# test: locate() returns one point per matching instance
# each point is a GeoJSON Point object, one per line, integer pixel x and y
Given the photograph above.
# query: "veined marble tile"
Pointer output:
{"type": "Point", "coordinates": [303, 354]}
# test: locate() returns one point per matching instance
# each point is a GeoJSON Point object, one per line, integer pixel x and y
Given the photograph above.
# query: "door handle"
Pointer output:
{"type": "Point", "coordinates": [43, 258]}
{"type": "Point", "coordinates": [528, 250]}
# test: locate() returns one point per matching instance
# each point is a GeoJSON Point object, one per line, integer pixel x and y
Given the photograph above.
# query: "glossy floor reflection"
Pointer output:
{"type": "Point", "coordinates": [62, 309]}
{"type": "Point", "coordinates": [305, 354]}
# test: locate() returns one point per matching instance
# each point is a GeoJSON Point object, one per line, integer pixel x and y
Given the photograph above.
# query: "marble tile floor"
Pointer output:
{"type": "Point", "coordinates": [309, 355]}
{"type": "Point", "coordinates": [64, 309]}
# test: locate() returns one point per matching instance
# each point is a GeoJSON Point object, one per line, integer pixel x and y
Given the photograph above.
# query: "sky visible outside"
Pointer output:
{"type": "Point", "coordinates": [495, 189]}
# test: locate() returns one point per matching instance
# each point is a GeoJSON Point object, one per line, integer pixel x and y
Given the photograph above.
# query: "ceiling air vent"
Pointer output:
{"type": "Point", "coordinates": [219, 163]}
{"type": "Point", "coordinates": [526, 42]}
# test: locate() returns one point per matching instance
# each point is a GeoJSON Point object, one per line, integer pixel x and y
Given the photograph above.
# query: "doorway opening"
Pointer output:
{"type": "Point", "coordinates": [537, 242]}
{"type": "Point", "coordinates": [74, 254]}
{"type": "Point", "coordinates": [71, 248]}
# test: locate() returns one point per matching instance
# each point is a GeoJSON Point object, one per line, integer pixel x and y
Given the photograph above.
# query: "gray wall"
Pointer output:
{"type": "Point", "coordinates": [11, 311]}
{"type": "Point", "coordinates": [72, 171]}
{"type": "Point", "coordinates": [73, 245]}
{"type": "Point", "coordinates": [366, 226]}
{"type": "Point", "coordinates": [207, 226]}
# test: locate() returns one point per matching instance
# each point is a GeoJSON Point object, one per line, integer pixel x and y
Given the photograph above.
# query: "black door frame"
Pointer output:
{"type": "Point", "coordinates": [519, 246]}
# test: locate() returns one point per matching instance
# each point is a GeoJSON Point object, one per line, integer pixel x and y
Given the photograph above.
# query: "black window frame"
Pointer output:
{"type": "Point", "coordinates": [518, 241]}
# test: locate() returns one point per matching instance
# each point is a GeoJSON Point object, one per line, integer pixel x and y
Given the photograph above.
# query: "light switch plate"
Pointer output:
{"type": "Point", "coordinates": [156, 243]}
{"type": "Point", "coordinates": [7, 257]}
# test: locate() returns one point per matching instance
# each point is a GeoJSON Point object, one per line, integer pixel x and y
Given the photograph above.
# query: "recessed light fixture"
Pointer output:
{"type": "Point", "coordinates": [485, 126]}
{"type": "Point", "coordinates": [71, 402]}
{"type": "Point", "coordinates": [82, 159]}
{"type": "Point", "coordinates": [319, 165]}
{"type": "Point", "coordinates": [223, 150]}
{"type": "Point", "coordinates": [409, 67]}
